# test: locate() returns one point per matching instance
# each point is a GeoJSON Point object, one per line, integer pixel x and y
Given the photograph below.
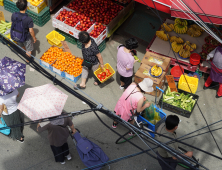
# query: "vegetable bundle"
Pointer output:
{"type": "Point", "coordinates": [180, 100]}
{"type": "Point", "coordinates": [4, 26]}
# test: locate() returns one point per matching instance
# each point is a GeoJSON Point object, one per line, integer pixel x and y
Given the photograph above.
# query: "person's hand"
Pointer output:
{"type": "Point", "coordinates": [74, 131]}
{"type": "Point", "coordinates": [136, 60]}
{"type": "Point", "coordinates": [189, 154]}
{"type": "Point", "coordinates": [147, 105]}
{"type": "Point", "coordinates": [34, 39]}
{"type": "Point", "coordinates": [102, 66]}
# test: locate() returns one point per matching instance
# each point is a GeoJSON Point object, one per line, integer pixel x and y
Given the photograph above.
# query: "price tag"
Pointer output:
{"type": "Point", "coordinates": [69, 76]}
{"type": "Point", "coordinates": [56, 71]}
{"type": "Point", "coordinates": [171, 83]}
{"type": "Point", "coordinates": [45, 64]}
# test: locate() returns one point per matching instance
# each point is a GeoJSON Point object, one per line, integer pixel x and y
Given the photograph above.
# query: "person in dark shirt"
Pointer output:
{"type": "Point", "coordinates": [92, 58]}
{"type": "Point", "coordinates": [28, 24]}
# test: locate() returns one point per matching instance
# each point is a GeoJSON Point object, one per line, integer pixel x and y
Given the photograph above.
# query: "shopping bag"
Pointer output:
{"type": "Point", "coordinates": [148, 113]}
{"type": "Point", "coordinates": [2, 125]}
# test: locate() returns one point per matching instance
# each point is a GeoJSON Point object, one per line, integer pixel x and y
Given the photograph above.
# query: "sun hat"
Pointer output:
{"type": "Point", "coordinates": [146, 85]}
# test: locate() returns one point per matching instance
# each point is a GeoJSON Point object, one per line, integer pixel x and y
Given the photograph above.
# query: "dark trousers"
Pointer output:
{"type": "Point", "coordinates": [126, 80]}
{"type": "Point", "coordinates": [170, 161]}
{"type": "Point", "coordinates": [60, 152]}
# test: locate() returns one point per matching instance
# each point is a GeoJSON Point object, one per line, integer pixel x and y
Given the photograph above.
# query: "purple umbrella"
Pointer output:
{"type": "Point", "coordinates": [12, 75]}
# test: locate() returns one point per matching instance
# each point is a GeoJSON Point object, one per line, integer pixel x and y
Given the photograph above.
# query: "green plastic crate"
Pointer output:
{"type": "Point", "coordinates": [68, 37]}
{"type": "Point", "coordinates": [101, 47]}
{"type": "Point", "coordinates": [39, 19]}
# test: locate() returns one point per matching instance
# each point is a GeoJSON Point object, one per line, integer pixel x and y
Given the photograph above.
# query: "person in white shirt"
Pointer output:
{"type": "Point", "coordinates": [13, 117]}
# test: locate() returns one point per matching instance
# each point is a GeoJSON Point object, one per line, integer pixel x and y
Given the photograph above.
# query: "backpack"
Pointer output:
{"type": "Point", "coordinates": [18, 32]}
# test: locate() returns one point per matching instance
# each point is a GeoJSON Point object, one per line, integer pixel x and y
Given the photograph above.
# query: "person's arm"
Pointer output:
{"type": "Point", "coordinates": [140, 106]}
{"type": "Point", "coordinates": [41, 129]}
{"type": "Point", "coordinates": [100, 59]}
{"type": "Point", "coordinates": [1, 109]}
{"type": "Point", "coordinates": [188, 154]}
{"type": "Point", "coordinates": [31, 30]}
{"type": "Point", "coordinates": [73, 129]}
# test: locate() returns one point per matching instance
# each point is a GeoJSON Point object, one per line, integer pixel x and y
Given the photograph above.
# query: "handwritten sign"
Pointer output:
{"type": "Point", "coordinates": [65, 46]}
{"type": "Point", "coordinates": [2, 17]}
{"type": "Point", "coordinates": [171, 83]}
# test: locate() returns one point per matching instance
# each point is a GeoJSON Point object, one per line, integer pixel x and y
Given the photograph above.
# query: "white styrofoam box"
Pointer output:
{"type": "Point", "coordinates": [57, 22]}
{"type": "Point", "coordinates": [101, 37]}
{"type": "Point", "coordinates": [67, 28]}
{"type": "Point", "coordinates": [76, 32]}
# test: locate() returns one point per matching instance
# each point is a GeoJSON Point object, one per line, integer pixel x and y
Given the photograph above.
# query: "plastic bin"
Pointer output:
{"type": "Point", "coordinates": [193, 84]}
{"type": "Point", "coordinates": [1, 3]}
{"type": "Point", "coordinates": [54, 38]}
{"type": "Point", "coordinates": [99, 70]}
{"type": "Point", "coordinates": [178, 110]}
{"type": "Point", "coordinates": [176, 72]}
{"type": "Point", "coordinates": [195, 59]}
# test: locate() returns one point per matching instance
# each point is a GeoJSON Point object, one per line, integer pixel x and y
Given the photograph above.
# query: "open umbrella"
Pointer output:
{"type": "Point", "coordinates": [12, 75]}
{"type": "Point", "coordinates": [42, 102]}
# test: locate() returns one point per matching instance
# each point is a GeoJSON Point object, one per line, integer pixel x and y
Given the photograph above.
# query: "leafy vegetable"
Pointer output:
{"type": "Point", "coordinates": [180, 100]}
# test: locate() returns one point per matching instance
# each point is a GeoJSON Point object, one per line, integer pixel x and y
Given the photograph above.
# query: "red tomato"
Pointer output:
{"type": "Point", "coordinates": [101, 79]}
{"type": "Point", "coordinates": [104, 74]}
{"type": "Point", "coordinates": [99, 76]}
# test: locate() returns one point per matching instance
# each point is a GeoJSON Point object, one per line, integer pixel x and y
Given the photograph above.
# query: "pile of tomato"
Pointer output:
{"type": "Point", "coordinates": [103, 75]}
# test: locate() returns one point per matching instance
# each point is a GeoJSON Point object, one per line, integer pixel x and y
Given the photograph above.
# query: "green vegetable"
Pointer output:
{"type": "Point", "coordinates": [180, 100]}
{"type": "Point", "coordinates": [136, 58]}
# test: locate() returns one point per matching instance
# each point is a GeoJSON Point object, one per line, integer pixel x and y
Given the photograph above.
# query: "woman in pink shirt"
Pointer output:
{"type": "Point", "coordinates": [132, 100]}
{"type": "Point", "coordinates": [125, 62]}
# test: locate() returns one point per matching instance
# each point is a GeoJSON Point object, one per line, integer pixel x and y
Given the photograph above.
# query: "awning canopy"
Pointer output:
{"type": "Point", "coordinates": [212, 8]}
{"type": "Point", "coordinates": [161, 5]}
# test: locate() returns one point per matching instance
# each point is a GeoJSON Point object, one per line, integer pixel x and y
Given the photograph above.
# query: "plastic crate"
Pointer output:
{"type": "Point", "coordinates": [178, 110]}
{"type": "Point", "coordinates": [72, 78]}
{"type": "Point", "coordinates": [54, 38]}
{"type": "Point", "coordinates": [39, 19]}
{"type": "Point", "coordinates": [68, 37]}
{"type": "Point", "coordinates": [150, 125]}
{"type": "Point", "coordinates": [192, 82]}
{"type": "Point", "coordinates": [99, 70]}
{"type": "Point", "coordinates": [101, 37]}
{"type": "Point", "coordinates": [1, 3]}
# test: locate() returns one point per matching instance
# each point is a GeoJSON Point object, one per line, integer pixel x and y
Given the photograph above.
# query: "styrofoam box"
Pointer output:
{"type": "Point", "coordinates": [57, 71]}
{"type": "Point", "coordinates": [100, 38]}
{"type": "Point", "coordinates": [57, 22]}
{"type": "Point", "coordinates": [46, 65]}
{"type": "Point", "coordinates": [72, 78]}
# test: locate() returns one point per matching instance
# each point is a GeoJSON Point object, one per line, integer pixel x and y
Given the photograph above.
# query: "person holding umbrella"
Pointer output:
{"type": "Point", "coordinates": [92, 58]}
{"type": "Point", "coordinates": [58, 134]}
{"type": "Point", "coordinates": [12, 76]}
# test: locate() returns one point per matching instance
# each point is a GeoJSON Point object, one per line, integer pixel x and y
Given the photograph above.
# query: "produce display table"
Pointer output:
{"type": "Point", "coordinates": [159, 46]}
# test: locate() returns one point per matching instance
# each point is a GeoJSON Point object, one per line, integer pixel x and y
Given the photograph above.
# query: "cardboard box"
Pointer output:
{"type": "Point", "coordinates": [37, 9]}
{"type": "Point", "coordinates": [152, 59]}
{"type": "Point", "coordinates": [160, 81]}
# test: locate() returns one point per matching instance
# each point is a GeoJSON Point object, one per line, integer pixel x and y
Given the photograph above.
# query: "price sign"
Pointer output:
{"type": "Point", "coordinates": [56, 71]}
{"type": "Point", "coordinates": [171, 83]}
{"type": "Point", "coordinates": [2, 17]}
{"type": "Point", "coordinates": [69, 76]}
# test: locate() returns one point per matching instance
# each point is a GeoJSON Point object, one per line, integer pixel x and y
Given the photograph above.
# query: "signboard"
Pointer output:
{"type": "Point", "coordinates": [171, 83]}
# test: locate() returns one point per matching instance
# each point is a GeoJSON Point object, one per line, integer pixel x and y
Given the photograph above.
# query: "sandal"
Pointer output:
{"type": "Point", "coordinates": [78, 87]}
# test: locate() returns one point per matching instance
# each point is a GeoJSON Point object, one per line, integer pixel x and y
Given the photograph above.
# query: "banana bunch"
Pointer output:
{"type": "Point", "coordinates": [176, 39]}
{"type": "Point", "coordinates": [180, 29]}
{"type": "Point", "coordinates": [180, 22]}
{"type": "Point", "coordinates": [176, 47]}
{"type": "Point", "coordinates": [156, 70]}
{"type": "Point", "coordinates": [188, 46]}
{"type": "Point", "coordinates": [167, 27]}
{"type": "Point", "coordinates": [162, 35]}
{"type": "Point", "coordinates": [184, 53]}
{"type": "Point", "coordinates": [195, 31]}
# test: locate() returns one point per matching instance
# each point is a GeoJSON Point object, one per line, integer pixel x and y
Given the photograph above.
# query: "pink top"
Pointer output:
{"type": "Point", "coordinates": [123, 106]}
{"type": "Point", "coordinates": [124, 60]}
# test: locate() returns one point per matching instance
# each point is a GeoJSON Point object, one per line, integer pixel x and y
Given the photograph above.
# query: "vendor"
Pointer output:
{"type": "Point", "coordinates": [216, 70]}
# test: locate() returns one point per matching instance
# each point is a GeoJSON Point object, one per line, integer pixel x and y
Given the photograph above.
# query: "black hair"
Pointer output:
{"type": "Point", "coordinates": [21, 4]}
{"type": "Point", "coordinates": [131, 43]}
{"type": "Point", "coordinates": [140, 88]}
{"type": "Point", "coordinates": [84, 37]}
{"type": "Point", "coordinates": [172, 121]}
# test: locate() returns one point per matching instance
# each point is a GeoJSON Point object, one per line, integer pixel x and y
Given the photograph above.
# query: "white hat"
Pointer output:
{"type": "Point", "coordinates": [146, 85]}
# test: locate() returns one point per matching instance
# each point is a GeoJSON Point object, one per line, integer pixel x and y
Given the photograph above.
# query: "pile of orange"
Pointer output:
{"type": "Point", "coordinates": [64, 61]}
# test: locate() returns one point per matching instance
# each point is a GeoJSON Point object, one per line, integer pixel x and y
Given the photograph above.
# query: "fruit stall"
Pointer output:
{"type": "Point", "coordinates": [192, 39]}
{"type": "Point", "coordinates": [99, 18]}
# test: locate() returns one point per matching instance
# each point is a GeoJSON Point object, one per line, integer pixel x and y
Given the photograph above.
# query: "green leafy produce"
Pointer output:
{"type": "Point", "coordinates": [180, 100]}
{"type": "Point", "coordinates": [4, 26]}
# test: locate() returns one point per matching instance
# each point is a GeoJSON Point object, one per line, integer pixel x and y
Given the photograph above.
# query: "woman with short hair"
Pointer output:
{"type": "Point", "coordinates": [125, 62]}
{"type": "Point", "coordinates": [92, 58]}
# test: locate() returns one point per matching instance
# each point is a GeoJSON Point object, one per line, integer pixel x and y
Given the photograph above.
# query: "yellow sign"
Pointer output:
{"type": "Point", "coordinates": [2, 17]}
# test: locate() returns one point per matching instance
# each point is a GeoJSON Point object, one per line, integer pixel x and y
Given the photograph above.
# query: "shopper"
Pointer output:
{"type": "Point", "coordinates": [92, 58]}
{"type": "Point", "coordinates": [58, 134]}
{"type": "Point", "coordinates": [216, 70]}
{"type": "Point", "coordinates": [22, 28]}
{"type": "Point", "coordinates": [14, 116]}
{"type": "Point", "coordinates": [125, 62]}
{"type": "Point", "coordinates": [132, 100]}
{"type": "Point", "coordinates": [168, 129]}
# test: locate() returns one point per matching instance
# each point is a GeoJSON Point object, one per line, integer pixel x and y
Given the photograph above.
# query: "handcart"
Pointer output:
{"type": "Point", "coordinates": [144, 124]}
{"type": "Point", "coordinates": [90, 153]}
